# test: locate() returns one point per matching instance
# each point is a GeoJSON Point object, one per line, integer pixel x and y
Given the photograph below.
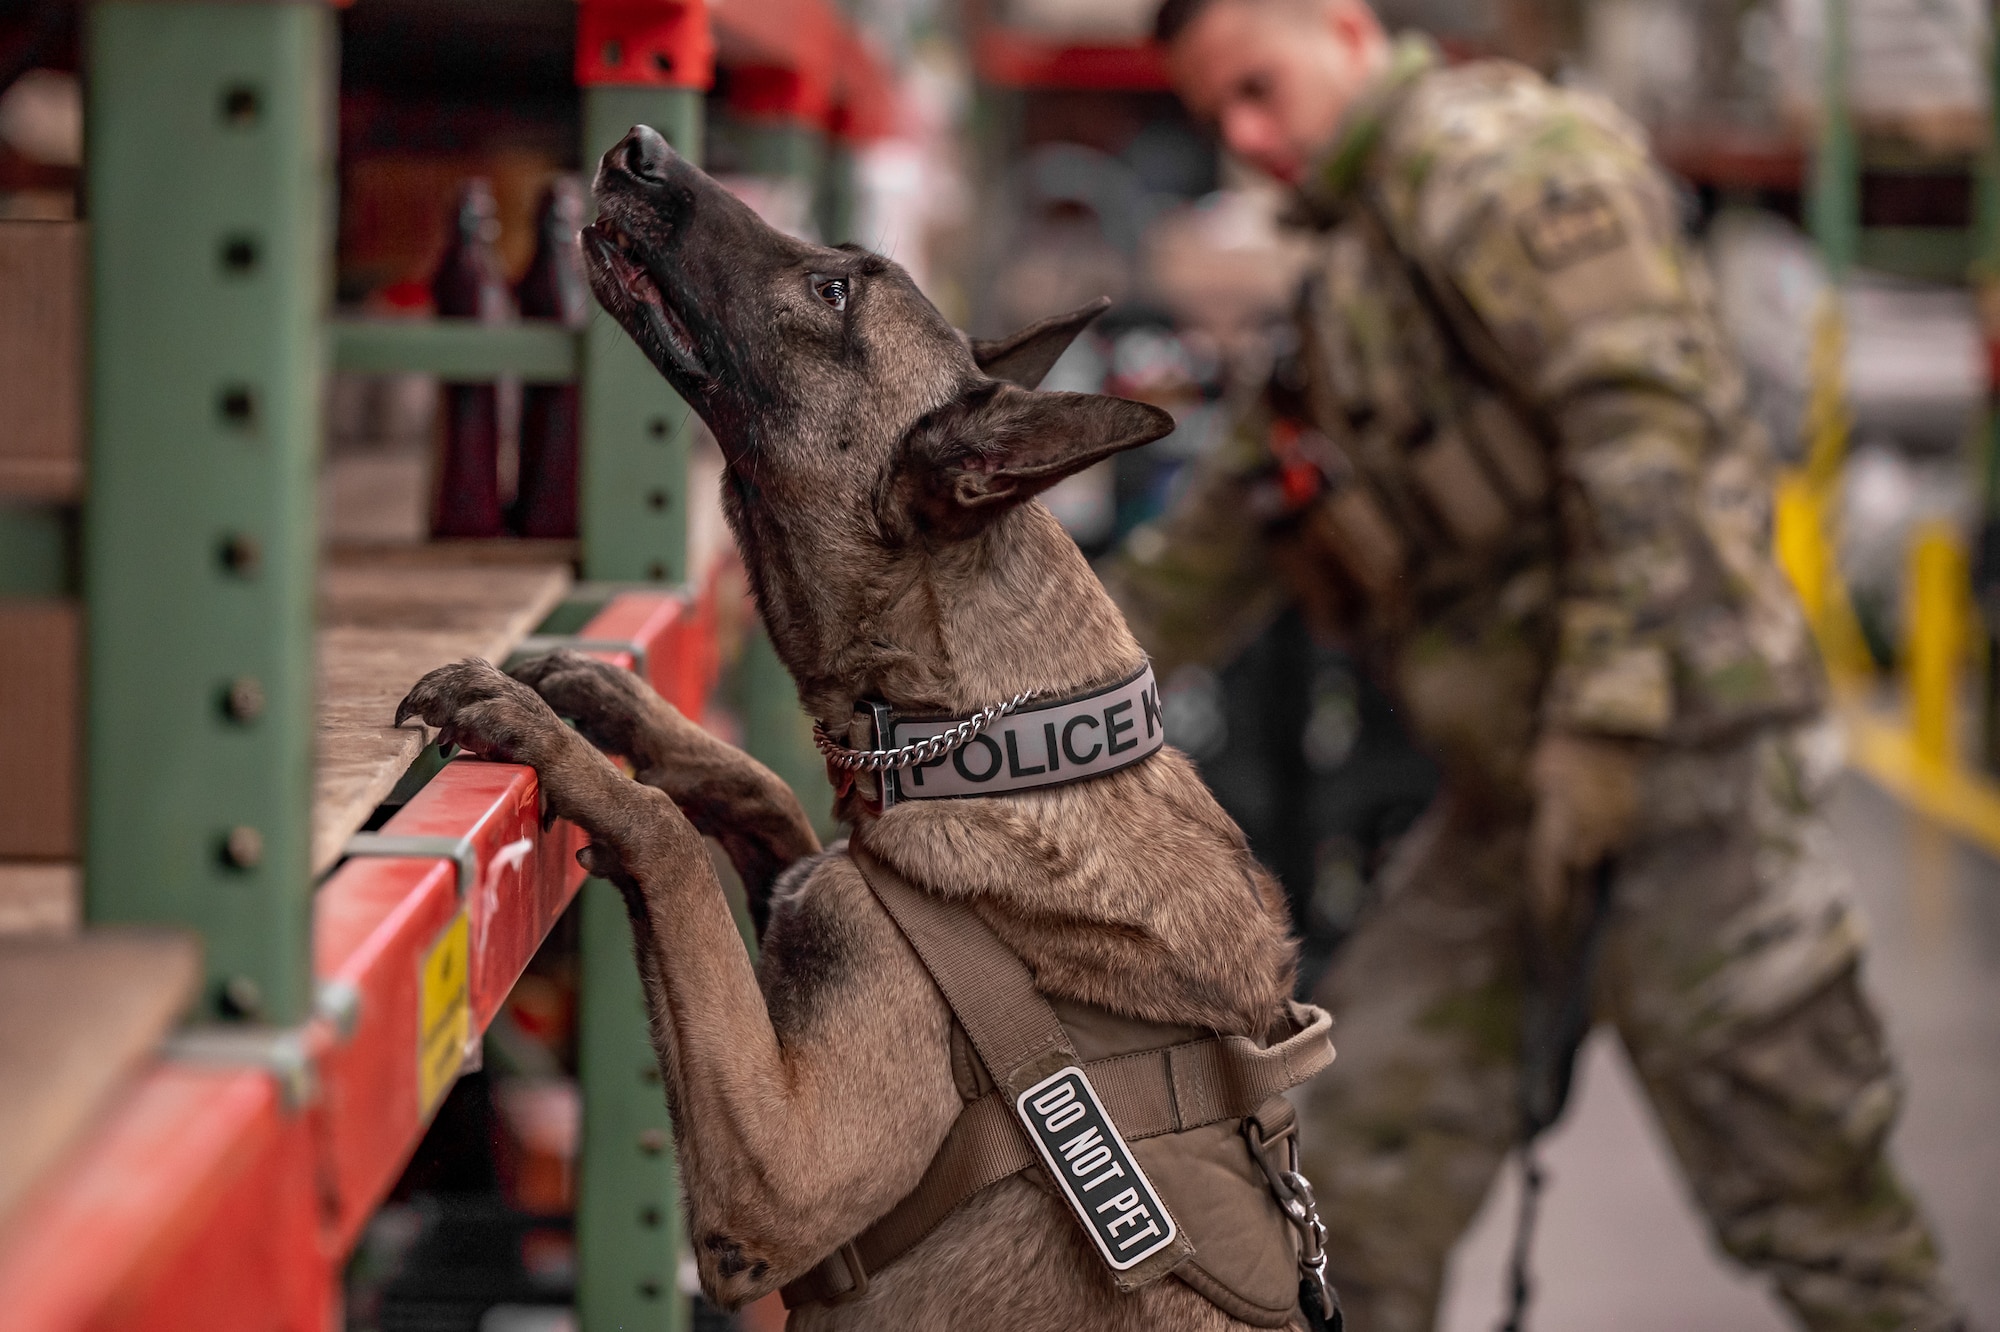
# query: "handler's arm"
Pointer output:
{"type": "Point", "coordinates": [1197, 584]}
{"type": "Point", "coordinates": [1571, 261]}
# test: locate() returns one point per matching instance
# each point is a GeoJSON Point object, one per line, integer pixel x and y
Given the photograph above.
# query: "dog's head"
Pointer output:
{"type": "Point", "coordinates": [861, 431]}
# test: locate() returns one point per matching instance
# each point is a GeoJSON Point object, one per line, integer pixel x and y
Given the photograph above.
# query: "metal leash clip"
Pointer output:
{"type": "Point", "coordinates": [1303, 1211]}
{"type": "Point", "coordinates": [1294, 1195]}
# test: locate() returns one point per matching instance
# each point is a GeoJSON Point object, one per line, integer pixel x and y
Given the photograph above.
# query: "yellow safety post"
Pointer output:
{"type": "Point", "coordinates": [1916, 759]}
{"type": "Point", "coordinates": [1800, 542]}
{"type": "Point", "coordinates": [1934, 641]}
{"type": "Point", "coordinates": [1803, 527]}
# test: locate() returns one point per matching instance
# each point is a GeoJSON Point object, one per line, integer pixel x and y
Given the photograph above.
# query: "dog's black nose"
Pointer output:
{"type": "Point", "coordinates": [644, 153]}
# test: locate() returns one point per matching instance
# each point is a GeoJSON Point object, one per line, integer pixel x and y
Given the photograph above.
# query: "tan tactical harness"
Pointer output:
{"type": "Point", "coordinates": [1202, 1116]}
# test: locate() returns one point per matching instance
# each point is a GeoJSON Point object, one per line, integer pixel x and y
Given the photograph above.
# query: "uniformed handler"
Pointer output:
{"type": "Point", "coordinates": [1510, 466]}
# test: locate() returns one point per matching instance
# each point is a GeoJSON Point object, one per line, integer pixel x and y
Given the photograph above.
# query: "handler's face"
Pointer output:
{"type": "Point", "coordinates": [1275, 76]}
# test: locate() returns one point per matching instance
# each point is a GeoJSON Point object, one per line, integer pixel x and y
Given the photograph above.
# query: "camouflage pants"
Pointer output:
{"type": "Point", "coordinates": [1729, 972]}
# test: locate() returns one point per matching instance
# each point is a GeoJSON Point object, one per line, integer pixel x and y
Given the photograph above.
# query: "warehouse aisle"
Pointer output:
{"type": "Point", "coordinates": [1620, 1244]}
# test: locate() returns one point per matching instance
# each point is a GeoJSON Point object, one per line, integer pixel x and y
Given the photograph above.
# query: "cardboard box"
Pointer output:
{"type": "Point", "coordinates": [42, 296]}
{"type": "Point", "coordinates": [40, 729]}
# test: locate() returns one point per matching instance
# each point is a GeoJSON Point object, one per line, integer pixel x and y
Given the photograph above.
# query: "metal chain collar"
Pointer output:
{"type": "Point", "coordinates": [927, 750]}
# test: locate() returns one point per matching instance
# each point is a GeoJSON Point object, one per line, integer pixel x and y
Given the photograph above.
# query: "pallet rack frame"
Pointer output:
{"type": "Point", "coordinates": [226, 1188]}
{"type": "Point", "coordinates": [208, 177]}
{"type": "Point", "coordinates": [635, 64]}
{"type": "Point", "coordinates": [1007, 57]}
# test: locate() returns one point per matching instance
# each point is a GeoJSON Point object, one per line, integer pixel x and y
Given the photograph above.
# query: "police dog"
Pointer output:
{"type": "Point", "coordinates": [880, 483]}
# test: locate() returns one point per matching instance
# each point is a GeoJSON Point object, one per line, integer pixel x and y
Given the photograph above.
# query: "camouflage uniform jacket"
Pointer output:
{"type": "Point", "coordinates": [1510, 459]}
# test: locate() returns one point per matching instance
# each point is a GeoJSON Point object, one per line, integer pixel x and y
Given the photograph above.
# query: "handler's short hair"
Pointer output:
{"type": "Point", "coordinates": [1174, 17]}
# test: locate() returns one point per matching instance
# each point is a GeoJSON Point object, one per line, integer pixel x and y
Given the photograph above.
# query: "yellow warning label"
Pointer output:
{"type": "Point", "coordinates": [444, 1013]}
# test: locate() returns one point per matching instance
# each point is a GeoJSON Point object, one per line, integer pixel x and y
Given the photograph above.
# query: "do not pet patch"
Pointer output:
{"type": "Point", "coordinates": [1090, 1161]}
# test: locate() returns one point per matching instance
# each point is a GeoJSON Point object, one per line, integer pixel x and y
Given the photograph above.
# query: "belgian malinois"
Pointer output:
{"type": "Point", "coordinates": [880, 484]}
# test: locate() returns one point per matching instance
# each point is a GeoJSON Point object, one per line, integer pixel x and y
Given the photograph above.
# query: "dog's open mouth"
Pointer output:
{"type": "Point", "coordinates": [619, 258]}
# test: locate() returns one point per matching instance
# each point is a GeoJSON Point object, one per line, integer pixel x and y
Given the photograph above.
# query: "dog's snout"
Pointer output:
{"type": "Point", "coordinates": [644, 154]}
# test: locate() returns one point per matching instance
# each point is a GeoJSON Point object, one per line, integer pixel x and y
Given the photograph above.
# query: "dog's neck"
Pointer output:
{"type": "Point", "coordinates": [949, 629]}
{"type": "Point", "coordinates": [1132, 891]}
{"type": "Point", "coordinates": [1016, 608]}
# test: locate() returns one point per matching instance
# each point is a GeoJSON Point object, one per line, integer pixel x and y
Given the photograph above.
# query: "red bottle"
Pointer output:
{"type": "Point", "coordinates": [469, 285]}
{"type": "Point", "coordinates": [554, 287]}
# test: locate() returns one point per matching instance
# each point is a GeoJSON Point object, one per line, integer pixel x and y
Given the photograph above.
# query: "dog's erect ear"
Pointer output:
{"type": "Point", "coordinates": [997, 444]}
{"type": "Point", "coordinates": [1024, 357]}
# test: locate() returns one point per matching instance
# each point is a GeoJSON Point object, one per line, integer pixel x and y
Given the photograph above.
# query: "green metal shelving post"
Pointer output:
{"type": "Point", "coordinates": [786, 150]}
{"type": "Point", "coordinates": [777, 126]}
{"type": "Point", "coordinates": [208, 181]}
{"type": "Point", "coordinates": [834, 208]}
{"type": "Point", "coordinates": [636, 429]}
{"type": "Point", "coordinates": [1986, 282]}
{"type": "Point", "coordinates": [637, 64]}
{"type": "Point", "coordinates": [1834, 210]}
{"type": "Point", "coordinates": [628, 1198]}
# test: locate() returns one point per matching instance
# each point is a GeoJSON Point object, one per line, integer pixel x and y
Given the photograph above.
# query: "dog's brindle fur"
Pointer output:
{"type": "Point", "coordinates": [880, 485]}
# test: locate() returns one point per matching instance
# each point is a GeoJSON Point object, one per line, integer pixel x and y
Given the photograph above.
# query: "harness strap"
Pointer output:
{"type": "Point", "coordinates": [989, 988]}
{"type": "Point", "coordinates": [1147, 1093]}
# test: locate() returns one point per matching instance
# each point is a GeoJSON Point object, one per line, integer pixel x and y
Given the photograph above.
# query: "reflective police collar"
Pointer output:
{"type": "Point", "coordinates": [1024, 745]}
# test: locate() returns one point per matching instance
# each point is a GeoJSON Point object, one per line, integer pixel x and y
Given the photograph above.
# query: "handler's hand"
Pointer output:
{"type": "Point", "coordinates": [1586, 791]}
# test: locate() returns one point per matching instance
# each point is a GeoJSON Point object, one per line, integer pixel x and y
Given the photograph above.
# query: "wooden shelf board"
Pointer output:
{"type": "Point", "coordinates": [76, 1016]}
{"type": "Point", "coordinates": [383, 623]}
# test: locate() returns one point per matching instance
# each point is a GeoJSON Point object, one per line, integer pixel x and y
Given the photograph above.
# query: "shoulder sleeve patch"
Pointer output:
{"type": "Point", "coordinates": [1569, 227]}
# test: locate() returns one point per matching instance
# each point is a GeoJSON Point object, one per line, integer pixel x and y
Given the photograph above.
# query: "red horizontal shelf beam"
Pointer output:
{"type": "Point", "coordinates": [803, 61]}
{"type": "Point", "coordinates": [208, 1202]}
{"type": "Point", "coordinates": [677, 635]}
{"type": "Point", "coordinates": [1011, 59]}
{"type": "Point", "coordinates": [190, 1207]}
{"type": "Point", "coordinates": [1731, 159]}
{"type": "Point", "coordinates": [377, 919]}
{"type": "Point", "coordinates": [644, 43]}
{"type": "Point", "coordinates": [864, 99]}
{"type": "Point", "coordinates": [790, 34]}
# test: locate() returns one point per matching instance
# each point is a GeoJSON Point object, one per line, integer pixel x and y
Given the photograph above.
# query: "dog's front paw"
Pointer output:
{"type": "Point", "coordinates": [479, 708]}
{"type": "Point", "coordinates": [612, 708]}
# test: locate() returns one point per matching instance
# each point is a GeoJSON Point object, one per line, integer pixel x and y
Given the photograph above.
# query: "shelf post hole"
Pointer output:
{"type": "Point", "coordinates": [208, 178]}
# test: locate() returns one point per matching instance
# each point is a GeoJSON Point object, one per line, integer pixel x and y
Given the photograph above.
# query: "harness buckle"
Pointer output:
{"type": "Point", "coordinates": [849, 1260]}
{"type": "Point", "coordinates": [1293, 1193]}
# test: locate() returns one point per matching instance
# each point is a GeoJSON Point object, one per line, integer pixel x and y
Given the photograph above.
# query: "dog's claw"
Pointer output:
{"type": "Point", "coordinates": [407, 708]}
{"type": "Point", "coordinates": [477, 708]}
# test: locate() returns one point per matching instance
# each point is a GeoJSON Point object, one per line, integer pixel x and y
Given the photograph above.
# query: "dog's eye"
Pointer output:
{"type": "Point", "coordinates": [832, 290]}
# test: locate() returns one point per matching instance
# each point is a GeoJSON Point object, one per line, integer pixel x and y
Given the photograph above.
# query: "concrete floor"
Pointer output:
{"type": "Point", "coordinates": [1620, 1244]}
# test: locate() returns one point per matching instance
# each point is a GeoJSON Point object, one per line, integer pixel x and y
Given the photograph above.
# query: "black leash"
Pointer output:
{"type": "Point", "coordinates": [1320, 1315]}
{"type": "Point", "coordinates": [1532, 1179]}
{"type": "Point", "coordinates": [1555, 1018]}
